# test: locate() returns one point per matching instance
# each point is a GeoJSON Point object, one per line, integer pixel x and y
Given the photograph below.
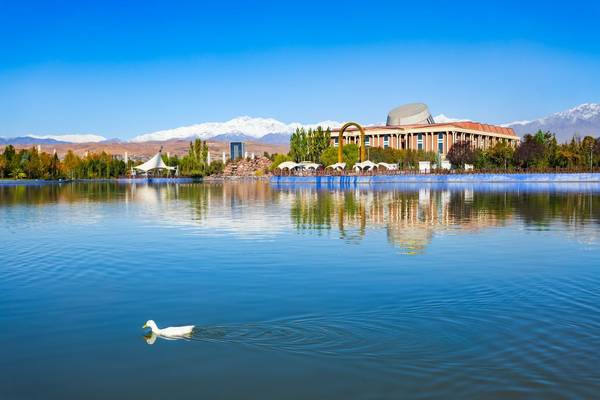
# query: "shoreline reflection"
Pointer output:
{"type": "Point", "coordinates": [411, 215]}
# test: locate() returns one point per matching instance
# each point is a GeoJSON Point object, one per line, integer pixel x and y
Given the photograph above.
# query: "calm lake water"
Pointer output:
{"type": "Point", "coordinates": [486, 291]}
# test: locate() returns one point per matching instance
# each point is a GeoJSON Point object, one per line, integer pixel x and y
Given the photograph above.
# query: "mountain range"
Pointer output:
{"type": "Point", "coordinates": [581, 120]}
{"type": "Point", "coordinates": [243, 128]}
{"type": "Point", "coordinates": [54, 139]}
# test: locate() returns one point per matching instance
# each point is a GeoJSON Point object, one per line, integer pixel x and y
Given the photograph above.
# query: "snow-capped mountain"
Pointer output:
{"type": "Point", "coordinates": [53, 139]}
{"type": "Point", "coordinates": [240, 127]}
{"type": "Point", "coordinates": [582, 120]}
{"type": "Point", "coordinates": [72, 138]}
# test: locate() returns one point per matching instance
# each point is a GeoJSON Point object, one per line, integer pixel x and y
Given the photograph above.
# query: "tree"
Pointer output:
{"type": "Point", "coordinates": [31, 163]}
{"type": "Point", "coordinates": [71, 165]}
{"type": "Point", "coordinates": [299, 145]}
{"type": "Point", "coordinates": [215, 167]}
{"type": "Point", "coordinates": [3, 166]}
{"type": "Point", "coordinates": [309, 145]}
{"type": "Point", "coordinates": [501, 155]}
{"type": "Point", "coordinates": [278, 159]}
{"type": "Point", "coordinates": [350, 155]}
{"type": "Point", "coordinates": [587, 146]}
{"type": "Point", "coordinates": [597, 150]}
{"type": "Point", "coordinates": [195, 162]}
{"type": "Point", "coordinates": [17, 173]}
{"type": "Point", "coordinates": [530, 152]}
{"type": "Point", "coordinates": [461, 153]}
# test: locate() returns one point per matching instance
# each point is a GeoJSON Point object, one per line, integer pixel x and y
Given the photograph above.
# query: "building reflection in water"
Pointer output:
{"type": "Point", "coordinates": [411, 216]}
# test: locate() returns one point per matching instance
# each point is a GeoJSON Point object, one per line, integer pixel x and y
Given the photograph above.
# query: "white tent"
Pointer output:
{"type": "Point", "coordinates": [337, 166]}
{"type": "Point", "coordinates": [389, 167]}
{"type": "Point", "coordinates": [365, 166]}
{"type": "Point", "coordinates": [155, 163]}
{"type": "Point", "coordinates": [309, 166]}
{"type": "Point", "coordinates": [288, 165]}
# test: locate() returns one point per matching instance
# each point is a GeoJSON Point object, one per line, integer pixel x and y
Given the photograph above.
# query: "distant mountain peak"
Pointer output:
{"type": "Point", "coordinates": [53, 139]}
{"type": "Point", "coordinates": [252, 127]}
{"type": "Point", "coordinates": [581, 120]}
{"type": "Point", "coordinates": [585, 111]}
{"type": "Point", "coordinates": [72, 138]}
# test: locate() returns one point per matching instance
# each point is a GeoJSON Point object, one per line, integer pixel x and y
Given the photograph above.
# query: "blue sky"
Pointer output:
{"type": "Point", "coordinates": [120, 69]}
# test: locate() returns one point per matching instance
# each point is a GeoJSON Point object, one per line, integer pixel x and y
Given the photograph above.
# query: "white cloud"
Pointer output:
{"type": "Point", "coordinates": [249, 126]}
{"type": "Point", "coordinates": [85, 138]}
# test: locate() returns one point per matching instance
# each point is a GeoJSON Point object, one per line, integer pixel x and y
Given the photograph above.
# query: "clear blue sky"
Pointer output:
{"type": "Point", "coordinates": [123, 68]}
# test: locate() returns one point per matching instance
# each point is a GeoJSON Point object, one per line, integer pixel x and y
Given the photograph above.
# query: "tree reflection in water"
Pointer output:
{"type": "Point", "coordinates": [410, 215]}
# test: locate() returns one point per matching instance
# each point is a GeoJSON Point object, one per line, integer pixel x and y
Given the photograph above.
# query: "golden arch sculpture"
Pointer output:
{"type": "Point", "coordinates": [341, 141]}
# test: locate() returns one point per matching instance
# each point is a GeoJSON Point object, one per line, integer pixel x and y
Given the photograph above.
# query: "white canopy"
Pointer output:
{"type": "Point", "coordinates": [155, 162]}
{"type": "Point", "coordinates": [365, 165]}
{"type": "Point", "coordinates": [339, 165]}
{"type": "Point", "coordinates": [288, 165]}
{"type": "Point", "coordinates": [314, 166]}
{"type": "Point", "coordinates": [388, 166]}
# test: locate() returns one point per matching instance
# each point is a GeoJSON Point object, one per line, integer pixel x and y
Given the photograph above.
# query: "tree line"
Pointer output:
{"type": "Point", "coordinates": [195, 163]}
{"type": "Point", "coordinates": [539, 151]}
{"type": "Point", "coordinates": [33, 164]}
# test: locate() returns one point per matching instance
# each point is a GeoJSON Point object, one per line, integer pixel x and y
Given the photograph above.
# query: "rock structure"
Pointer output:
{"type": "Point", "coordinates": [248, 167]}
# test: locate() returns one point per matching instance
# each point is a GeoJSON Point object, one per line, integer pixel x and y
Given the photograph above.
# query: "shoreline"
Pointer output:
{"type": "Point", "coordinates": [576, 177]}
{"type": "Point", "coordinates": [41, 182]}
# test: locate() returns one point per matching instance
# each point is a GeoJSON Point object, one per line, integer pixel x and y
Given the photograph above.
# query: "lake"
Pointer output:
{"type": "Point", "coordinates": [359, 292]}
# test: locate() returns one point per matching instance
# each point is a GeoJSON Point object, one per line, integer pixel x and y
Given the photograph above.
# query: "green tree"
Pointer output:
{"type": "Point", "coordinates": [350, 155]}
{"type": "Point", "coordinates": [278, 159]}
{"type": "Point", "coordinates": [501, 155]}
{"type": "Point", "coordinates": [587, 148]}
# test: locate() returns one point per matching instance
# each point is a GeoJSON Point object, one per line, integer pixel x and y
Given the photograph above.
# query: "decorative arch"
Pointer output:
{"type": "Point", "coordinates": [341, 141]}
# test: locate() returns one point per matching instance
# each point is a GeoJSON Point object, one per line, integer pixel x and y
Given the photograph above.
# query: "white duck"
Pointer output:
{"type": "Point", "coordinates": [171, 332]}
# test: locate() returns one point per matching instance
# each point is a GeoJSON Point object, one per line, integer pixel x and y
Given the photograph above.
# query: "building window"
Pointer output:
{"type": "Point", "coordinates": [386, 141]}
{"type": "Point", "coordinates": [367, 140]}
{"type": "Point", "coordinates": [335, 142]}
{"type": "Point", "coordinates": [440, 142]}
{"type": "Point", "coordinates": [420, 141]}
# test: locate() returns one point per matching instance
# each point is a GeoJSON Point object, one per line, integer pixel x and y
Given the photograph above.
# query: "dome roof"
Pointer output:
{"type": "Point", "coordinates": [409, 114]}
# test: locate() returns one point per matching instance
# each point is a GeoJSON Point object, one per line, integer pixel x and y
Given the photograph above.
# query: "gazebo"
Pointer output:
{"type": "Point", "coordinates": [337, 166]}
{"type": "Point", "coordinates": [389, 167]}
{"type": "Point", "coordinates": [289, 165]}
{"type": "Point", "coordinates": [156, 163]}
{"type": "Point", "coordinates": [308, 166]}
{"type": "Point", "coordinates": [365, 166]}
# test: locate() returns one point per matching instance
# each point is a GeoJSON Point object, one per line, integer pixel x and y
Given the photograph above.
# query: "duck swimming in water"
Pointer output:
{"type": "Point", "coordinates": [170, 332]}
